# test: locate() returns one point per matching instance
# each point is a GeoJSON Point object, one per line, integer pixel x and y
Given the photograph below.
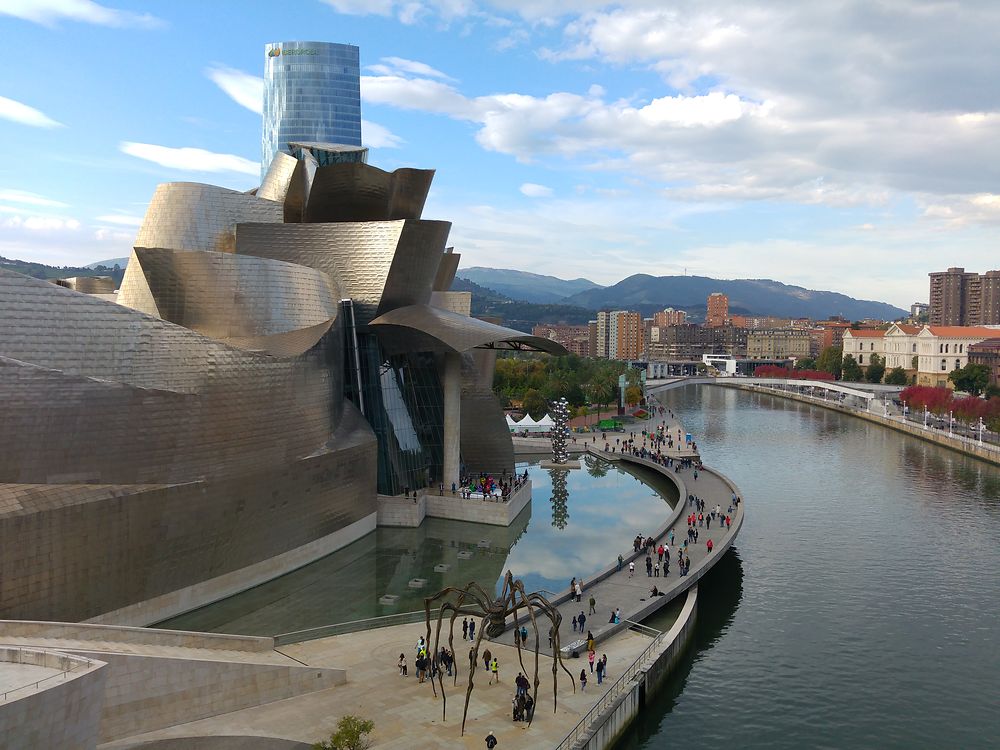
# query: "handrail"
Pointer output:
{"type": "Point", "coordinates": [36, 683]}
{"type": "Point", "coordinates": [353, 626]}
{"type": "Point", "coordinates": [610, 696]}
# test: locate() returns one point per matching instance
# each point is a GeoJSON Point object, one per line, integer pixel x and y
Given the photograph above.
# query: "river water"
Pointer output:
{"type": "Point", "coordinates": [861, 606]}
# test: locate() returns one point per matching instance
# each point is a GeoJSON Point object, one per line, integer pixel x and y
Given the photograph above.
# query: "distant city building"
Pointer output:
{"type": "Point", "coordinates": [592, 338]}
{"type": "Point", "coordinates": [779, 343]}
{"type": "Point", "coordinates": [690, 341]}
{"type": "Point", "coordinates": [576, 339]}
{"type": "Point", "coordinates": [987, 353]}
{"type": "Point", "coordinates": [717, 313]}
{"type": "Point", "coordinates": [630, 339]}
{"type": "Point", "coordinates": [602, 346]}
{"type": "Point", "coordinates": [942, 349]}
{"type": "Point", "coordinates": [669, 317]}
{"type": "Point", "coordinates": [919, 309]}
{"type": "Point", "coordinates": [863, 343]}
{"type": "Point", "coordinates": [312, 94]}
{"type": "Point", "coordinates": [901, 347]}
{"type": "Point", "coordinates": [757, 322]}
{"type": "Point", "coordinates": [958, 298]}
{"type": "Point", "coordinates": [833, 331]}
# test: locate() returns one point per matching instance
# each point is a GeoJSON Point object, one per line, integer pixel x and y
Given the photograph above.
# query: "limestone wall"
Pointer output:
{"type": "Point", "coordinates": [397, 511]}
{"type": "Point", "coordinates": [63, 712]}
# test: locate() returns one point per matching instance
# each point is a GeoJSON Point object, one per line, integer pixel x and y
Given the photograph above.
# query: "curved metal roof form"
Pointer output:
{"type": "Point", "coordinates": [444, 331]}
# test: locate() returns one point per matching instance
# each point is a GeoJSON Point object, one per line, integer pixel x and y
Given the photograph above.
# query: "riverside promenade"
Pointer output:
{"type": "Point", "coordinates": [615, 589]}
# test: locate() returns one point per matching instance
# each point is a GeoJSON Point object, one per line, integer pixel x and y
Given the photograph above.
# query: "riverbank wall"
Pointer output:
{"type": "Point", "coordinates": [985, 452]}
{"type": "Point", "coordinates": [609, 724]}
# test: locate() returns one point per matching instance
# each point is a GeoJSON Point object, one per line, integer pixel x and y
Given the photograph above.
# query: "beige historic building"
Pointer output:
{"type": "Point", "coordinates": [778, 343]}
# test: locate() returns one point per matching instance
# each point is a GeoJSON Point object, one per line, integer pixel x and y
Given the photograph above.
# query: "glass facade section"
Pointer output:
{"type": "Point", "coordinates": [403, 403]}
{"type": "Point", "coordinates": [312, 93]}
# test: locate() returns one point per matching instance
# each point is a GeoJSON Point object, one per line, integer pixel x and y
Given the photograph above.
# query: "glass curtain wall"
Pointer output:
{"type": "Point", "coordinates": [403, 402]}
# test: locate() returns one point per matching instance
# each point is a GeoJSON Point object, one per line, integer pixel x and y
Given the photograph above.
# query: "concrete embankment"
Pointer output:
{"type": "Point", "coordinates": [986, 452]}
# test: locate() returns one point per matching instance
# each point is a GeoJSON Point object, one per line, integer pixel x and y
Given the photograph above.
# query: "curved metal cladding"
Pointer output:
{"type": "Point", "coordinates": [193, 216]}
{"type": "Point", "coordinates": [252, 303]}
{"type": "Point", "coordinates": [279, 177]}
{"type": "Point", "coordinates": [139, 458]}
{"type": "Point", "coordinates": [378, 264]}
{"type": "Point", "coordinates": [360, 192]}
{"type": "Point", "coordinates": [437, 330]}
{"type": "Point", "coordinates": [486, 441]}
{"type": "Point", "coordinates": [88, 284]}
{"type": "Point", "coordinates": [447, 269]}
{"type": "Point", "coordinates": [190, 406]}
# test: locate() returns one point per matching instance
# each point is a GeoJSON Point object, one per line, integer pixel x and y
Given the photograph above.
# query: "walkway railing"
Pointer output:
{"type": "Point", "coordinates": [612, 694]}
{"type": "Point", "coordinates": [354, 626]}
{"type": "Point", "coordinates": [81, 663]}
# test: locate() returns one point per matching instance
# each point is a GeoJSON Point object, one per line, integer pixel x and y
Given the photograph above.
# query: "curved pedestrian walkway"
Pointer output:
{"type": "Point", "coordinates": [614, 589]}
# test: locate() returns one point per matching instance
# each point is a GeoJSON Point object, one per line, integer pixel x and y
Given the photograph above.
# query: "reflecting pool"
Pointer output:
{"type": "Point", "coordinates": [576, 524]}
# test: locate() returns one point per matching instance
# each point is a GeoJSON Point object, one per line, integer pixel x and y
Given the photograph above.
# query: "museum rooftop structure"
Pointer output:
{"type": "Point", "coordinates": [273, 361]}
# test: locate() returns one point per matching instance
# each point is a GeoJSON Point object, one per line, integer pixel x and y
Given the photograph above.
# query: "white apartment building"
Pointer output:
{"type": "Point", "coordinates": [901, 347]}
{"type": "Point", "coordinates": [942, 349]}
{"type": "Point", "coordinates": [863, 344]}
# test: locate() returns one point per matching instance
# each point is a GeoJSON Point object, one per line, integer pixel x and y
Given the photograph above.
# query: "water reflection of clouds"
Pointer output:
{"type": "Point", "coordinates": [605, 513]}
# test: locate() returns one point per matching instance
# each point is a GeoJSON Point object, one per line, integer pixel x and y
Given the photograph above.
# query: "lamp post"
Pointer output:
{"type": "Point", "coordinates": [925, 417]}
{"type": "Point", "coordinates": [951, 421]}
{"type": "Point", "coordinates": [905, 410]}
{"type": "Point", "coordinates": [885, 406]}
{"type": "Point", "coordinates": [981, 425]}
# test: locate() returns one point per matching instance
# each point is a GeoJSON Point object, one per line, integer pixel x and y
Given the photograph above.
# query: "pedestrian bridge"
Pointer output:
{"type": "Point", "coordinates": [863, 393]}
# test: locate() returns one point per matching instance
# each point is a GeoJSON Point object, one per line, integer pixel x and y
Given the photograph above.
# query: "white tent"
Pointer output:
{"type": "Point", "coordinates": [546, 422]}
{"type": "Point", "coordinates": [511, 423]}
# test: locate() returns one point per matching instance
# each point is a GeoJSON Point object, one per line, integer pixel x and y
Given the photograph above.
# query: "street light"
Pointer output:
{"type": "Point", "coordinates": [981, 426]}
{"type": "Point", "coordinates": [905, 410]}
{"type": "Point", "coordinates": [925, 417]}
{"type": "Point", "coordinates": [951, 421]}
{"type": "Point", "coordinates": [885, 406]}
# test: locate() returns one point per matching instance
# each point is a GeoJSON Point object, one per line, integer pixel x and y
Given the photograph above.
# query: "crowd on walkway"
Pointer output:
{"type": "Point", "coordinates": [488, 487]}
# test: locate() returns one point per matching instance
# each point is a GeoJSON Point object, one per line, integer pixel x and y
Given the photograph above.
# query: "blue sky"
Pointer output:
{"type": "Point", "coordinates": [850, 146]}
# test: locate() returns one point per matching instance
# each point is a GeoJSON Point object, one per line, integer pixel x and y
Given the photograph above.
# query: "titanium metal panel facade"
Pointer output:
{"type": "Point", "coordinates": [361, 192]}
{"type": "Point", "coordinates": [312, 92]}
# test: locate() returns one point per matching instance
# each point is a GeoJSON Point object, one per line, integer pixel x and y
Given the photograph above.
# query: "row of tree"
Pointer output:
{"type": "Point", "coordinates": [534, 381]}
{"type": "Point", "coordinates": [973, 379]}
{"type": "Point", "coordinates": [940, 401]}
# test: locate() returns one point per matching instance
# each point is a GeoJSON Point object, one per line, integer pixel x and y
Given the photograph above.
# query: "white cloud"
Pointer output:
{"type": "Point", "coordinates": [533, 190]}
{"type": "Point", "coordinates": [378, 136]}
{"type": "Point", "coordinates": [12, 195]}
{"type": "Point", "coordinates": [50, 12]}
{"type": "Point", "coordinates": [243, 88]}
{"type": "Point", "coordinates": [112, 235]}
{"type": "Point", "coordinates": [190, 159]}
{"type": "Point", "coordinates": [17, 112]}
{"type": "Point", "coordinates": [121, 219]}
{"type": "Point", "coordinates": [405, 11]}
{"type": "Point", "coordinates": [41, 223]}
{"type": "Point", "coordinates": [394, 65]}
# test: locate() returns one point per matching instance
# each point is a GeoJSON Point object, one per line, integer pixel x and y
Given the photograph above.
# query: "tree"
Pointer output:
{"type": "Point", "coordinates": [534, 403]}
{"type": "Point", "coordinates": [896, 376]}
{"type": "Point", "coordinates": [971, 378]}
{"type": "Point", "coordinates": [850, 369]}
{"type": "Point", "coordinates": [830, 360]}
{"type": "Point", "coordinates": [876, 369]}
{"type": "Point", "coordinates": [633, 395]}
{"type": "Point", "coordinates": [806, 363]}
{"type": "Point", "coordinates": [352, 734]}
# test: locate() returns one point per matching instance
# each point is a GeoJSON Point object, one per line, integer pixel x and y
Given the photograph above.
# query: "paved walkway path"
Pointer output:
{"type": "Point", "coordinates": [614, 589]}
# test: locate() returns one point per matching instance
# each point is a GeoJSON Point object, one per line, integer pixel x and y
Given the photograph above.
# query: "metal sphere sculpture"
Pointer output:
{"type": "Point", "coordinates": [560, 432]}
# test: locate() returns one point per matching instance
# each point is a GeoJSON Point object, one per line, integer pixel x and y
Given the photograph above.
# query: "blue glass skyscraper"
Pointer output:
{"type": "Point", "coordinates": [312, 93]}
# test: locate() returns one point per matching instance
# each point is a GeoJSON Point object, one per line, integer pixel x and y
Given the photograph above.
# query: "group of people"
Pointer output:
{"type": "Point", "coordinates": [427, 665]}
{"type": "Point", "coordinates": [489, 486]}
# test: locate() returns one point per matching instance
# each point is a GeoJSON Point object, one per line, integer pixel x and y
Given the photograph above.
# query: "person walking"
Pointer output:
{"type": "Point", "coordinates": [472, 630]}
{"type": "Point", "coordinates": [491, 741]}
{"type": "Point", "coordinates": [465, 628]}
{"type": "Point", "coordinates": [583, 680]}
{"type": "Point", "coordinates": [709, 545]}
{"type": "Point", "coordinates": [590, 657]}
{"type": "Point", "coordinates": [581, 619]}
{"type": "Point", "coordinates": [402, 665]}
{"type": "Point", "coordinates": [593, 605]}
{"type": "Point", "coordinates": [495, 670]}
{"type": "Point", "coordinates": [487, 658]}
{"type": "Point", "coordinates": [574, 623]}
{"type": "Point", "coordinates": [600, 671]}
{"type": "Point", "coordinates": [472, 658]}
{"type": "Point", "coordinates": [579, 592]}
{"type": "Point", "coordinates": [649, 566]}
{"type": "Point", "coordinates": [620, 561]}
{"type": "Point", "coordinates": [631, 568]}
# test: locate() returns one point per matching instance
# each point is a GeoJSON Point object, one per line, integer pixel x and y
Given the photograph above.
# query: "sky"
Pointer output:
{"type": "Point", "coordinates": [848, 146]}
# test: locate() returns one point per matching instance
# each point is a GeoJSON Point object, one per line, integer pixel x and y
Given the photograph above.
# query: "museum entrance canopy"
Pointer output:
{"type": "Point", "coordinates": [437, 330]}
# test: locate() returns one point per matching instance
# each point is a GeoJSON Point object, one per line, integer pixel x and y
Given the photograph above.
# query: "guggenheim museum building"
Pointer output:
{"type": "Point", "coordinates": [273, 360]}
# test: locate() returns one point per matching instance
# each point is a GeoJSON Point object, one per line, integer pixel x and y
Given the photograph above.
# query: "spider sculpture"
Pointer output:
{"type": "Point", "coordinates": [513, 600]}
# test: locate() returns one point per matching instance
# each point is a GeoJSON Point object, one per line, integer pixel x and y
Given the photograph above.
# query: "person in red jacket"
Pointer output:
{"type": "Point", "coordinates": [709, 545]}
